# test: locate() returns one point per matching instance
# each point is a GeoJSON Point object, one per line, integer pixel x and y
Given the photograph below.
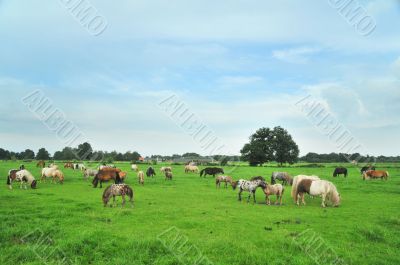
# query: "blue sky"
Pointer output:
{"type": "Point", "coordinates": [238, 65]}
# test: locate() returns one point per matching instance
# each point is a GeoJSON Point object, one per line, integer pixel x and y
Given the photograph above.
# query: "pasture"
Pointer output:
{"type": "Point", "coordinates": [365, 229]}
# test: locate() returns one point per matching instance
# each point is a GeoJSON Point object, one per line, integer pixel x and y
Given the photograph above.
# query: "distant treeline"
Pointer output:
{"type": "Point", "coordinates": [343, 158]}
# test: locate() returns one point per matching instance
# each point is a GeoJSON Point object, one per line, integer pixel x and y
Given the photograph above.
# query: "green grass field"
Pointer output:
{"type": "Point", "coordinates": [71, 218]}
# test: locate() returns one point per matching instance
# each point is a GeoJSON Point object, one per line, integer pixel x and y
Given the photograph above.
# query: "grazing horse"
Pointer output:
{"type": "Point", "coordinates": [107, 174]}
{"type": "Point", "coordinates": [57, 174]}
{"type": "Point", "coordinates": [226, 179]}
{"type": "Point", "coordinates": [69, 165]}
{"type": "Point", "coordinates": [283, 176]}
{"type": "Point", "coordinates": [89, 173]}
{"type": "Point", "coordinates": [375, 174]}
{"type": "Point", "coordinates": [135, 167]}
{"type": "Point", "coordinates": [150, 172]}
{"type": "Point", "coordinates": [296, 180]}
{"type": "Point", "coordinates": [41, 164]}
{"type": "Point", "coordinates": [168, 175]}
{"type": "Point", "coordinates": [276, 189]}
{"type": "Point", "coordinates": [52, 172]}
{"type": "Point", "coordinates": [340, 171]}
{"type": "Point", "coordinates": [117, 190]}
{"type": "Point", "coordinates": [141, 177]}
{"type": "Point", "coordinates": [23, 176]}
{"type": "Point", "coordinates": [165, 169]}
{"type": "Point", "coordinates": [81, 167]}
{"type": "Point", "coordinates": [249, 186]}
{"type": "Point", "coordinates": [192, 169]}
{"type": "Point", "coordinates": [322, 188]}
{"type": "Point", "coordinates": [211, 171]}
{"type": "Point", "coordinates": [366, 168]}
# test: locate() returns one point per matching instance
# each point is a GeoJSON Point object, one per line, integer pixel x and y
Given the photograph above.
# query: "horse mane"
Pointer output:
{"type": "Point", "coordinates": [333, 194]}
{"type": "Point", "coordinates": [257, 178]}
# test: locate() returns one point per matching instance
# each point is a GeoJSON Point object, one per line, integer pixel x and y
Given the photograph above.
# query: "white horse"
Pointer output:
{"type": "Point", "coordinates": [135, 167]}
{"type": "Point", "coordinates": [322, 188]}
{"type": "Point", "coordinates": [90, 173]}
{"type": "Point", "coordinates": [25, 177]}
{"type": "Point", "coordinates": [81, 167]}
{"type": "Point", "coordinates": [249, 186]}
{"type": "Point", "coordinates": [296, 180]}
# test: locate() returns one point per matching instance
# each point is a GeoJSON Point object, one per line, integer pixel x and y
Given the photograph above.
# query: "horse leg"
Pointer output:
{"type": "Point", "coordinates": [123, 200]}
{"type": "Point", "coordinates": [323, 200]}
{"type": "Point", "coordinates": [101, 186]}
{"type": "Point", "coordinates": [226, 184]}
{"type": "Point", "coordinates": [248, 197]}
{"type": "Point", "coordinates": [240, 195]}
{"type": "Point", "coordinates": [302, 199]}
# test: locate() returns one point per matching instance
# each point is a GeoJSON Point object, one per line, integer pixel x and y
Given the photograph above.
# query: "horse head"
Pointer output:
{"type": "Point", "coordinates": [33, 184]}
{"type": "Point", "coordinates": [234, 184]}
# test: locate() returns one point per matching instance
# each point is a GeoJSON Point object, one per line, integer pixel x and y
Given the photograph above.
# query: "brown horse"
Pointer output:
{"type": "Point", "coordinates": [41, 164]}
{"type": "Point", "coordinates": [168, 175]}
{"type": "Point", "coordinates": [226, 179]}
{"type": "Point", "coordinates": [69, 165]}
{"type": "Point", "coordinates": [276, 189]}
{"type": "Point", "coordinates": [106, 175]}
{"type": "Point", "coordinates": [375, 174]}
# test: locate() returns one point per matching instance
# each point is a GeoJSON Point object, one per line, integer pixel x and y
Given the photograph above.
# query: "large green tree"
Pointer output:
{"type": "Point", "coordinates": [42, 154]}
{"type": "Point", "coordinates": [270, 145]}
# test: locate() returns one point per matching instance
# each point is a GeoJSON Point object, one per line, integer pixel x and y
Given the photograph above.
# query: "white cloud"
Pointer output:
{"type": "Point", "coordinates": [299, 55]}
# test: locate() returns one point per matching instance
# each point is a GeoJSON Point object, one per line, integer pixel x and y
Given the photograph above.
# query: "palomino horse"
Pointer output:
{"type": "Point", "coordinates": [52, 172]}
{"type": "Point", "coordinates": [296, 180]}
{"type": "Point", "coordinates": [340, 171]}
{"type": "Point", "coordinates": [106, 175]}
{"type": "Point", "coordinates": [211, 171]}
{"type": "Point", "coordinates": [117, 190]}
{"type": "Point", "coordinates": [23, 176]}
{"type": "Point", "coordinates": [375, 174]}
{"type": "Point", "coordinates": [322, 188]}
{"type": "Point", "coordinates": [165, 169]}
{"type": "Point", "coordinates": [41, 164]}
{"type": "Point", "coordinates": [276, 189]}
{"type": "Point", "coordinates": [226, 179]}
{"type": "Point", "coordinates": [249, 186]}
{"type": "Point", "coordinates": [141, 177]}
{"type": "Point", "coordinates": [283, 176]}
{"type": "Point", "coordinates": [192, 169]}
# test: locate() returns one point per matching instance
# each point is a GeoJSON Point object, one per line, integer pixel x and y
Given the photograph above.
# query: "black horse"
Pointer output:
{"type": "Point", "coordinates": [211, 171]}
{"type": "Point", "coordinates": [365, 169]}
{"type": "Point", "coordinates": [340, 171]}
{"type": "Point", "coordinates": [150, 172]}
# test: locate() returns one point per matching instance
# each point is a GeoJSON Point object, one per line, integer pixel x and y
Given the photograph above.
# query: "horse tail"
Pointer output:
{"type": "Point", "coordinates": [387, 174]}
{"type": "Point", "coordinates": [294, 188]}
{"type": "Point", "coordinates": [129, 192]}
{"type": "Point", "coordinates": [9, 178]}
{"type": "Point", "coordinates": [95, 181]}
{"type": "Point", "coordinates": [201, 172]}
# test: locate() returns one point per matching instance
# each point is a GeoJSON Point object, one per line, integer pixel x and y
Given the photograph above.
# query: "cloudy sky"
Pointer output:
{"type": "Point", "coordinates": [237, 65]}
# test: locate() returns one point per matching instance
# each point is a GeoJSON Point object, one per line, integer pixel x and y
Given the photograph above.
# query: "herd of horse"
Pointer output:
{"type": "Point", "coordinates": [301, 184]}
